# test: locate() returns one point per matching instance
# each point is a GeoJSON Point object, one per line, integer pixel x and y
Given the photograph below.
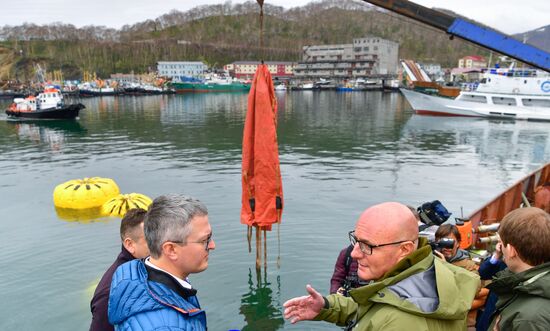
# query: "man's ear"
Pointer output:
{"type": "Point", "coordinates": [511, 251]}
{"type": "Point", "coordinates": [407, 248]}
{"type": "Point", "coordinates": [169, 250]}
{"type": "Point", "coordinates": [129, 244]}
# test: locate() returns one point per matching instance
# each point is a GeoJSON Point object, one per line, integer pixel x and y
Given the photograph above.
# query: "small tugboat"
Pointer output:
{"type": "Point", "coordinates": [46, 105]}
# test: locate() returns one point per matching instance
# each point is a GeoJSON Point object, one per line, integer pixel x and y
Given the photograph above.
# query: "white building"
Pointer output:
{"type": "Point", "coordinates": [179, 69]}
{"type": "Point", "coordinates": [433, 70]}
{"type": "Point", "coordinates": [370, 56]}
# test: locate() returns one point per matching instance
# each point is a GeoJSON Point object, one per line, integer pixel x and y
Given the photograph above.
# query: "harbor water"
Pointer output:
{"type": "Point", "coordinates": [340, 153]}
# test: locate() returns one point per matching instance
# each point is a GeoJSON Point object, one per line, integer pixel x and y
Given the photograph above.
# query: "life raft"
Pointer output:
{"type": "Point", "coordinates": [84, 193]}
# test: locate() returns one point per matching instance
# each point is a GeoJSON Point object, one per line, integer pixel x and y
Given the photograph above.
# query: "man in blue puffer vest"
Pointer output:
{"type": "Point", "coordinates": [154, 293]}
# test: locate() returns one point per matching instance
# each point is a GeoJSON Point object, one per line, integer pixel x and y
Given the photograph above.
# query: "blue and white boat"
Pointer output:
{"type": "Point", "coordinates": [502, 93]}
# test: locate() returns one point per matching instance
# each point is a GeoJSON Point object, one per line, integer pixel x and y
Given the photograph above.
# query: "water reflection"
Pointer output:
{"type": "Point", "coordinates": [79, 215]}
{"type": "Point", "coordinates": [50, 132]}
{"type": "Point", "coordinates": [495, 141]}
{"type": "Point", "coordinates": [339, 152]}
{"type": "Point", "coordinates": [261, 308]}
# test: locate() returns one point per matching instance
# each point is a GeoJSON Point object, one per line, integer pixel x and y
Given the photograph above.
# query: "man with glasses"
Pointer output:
{"type": "Point", "coordinates": [155, 293]}
{"type": "Point", "coordinates": [409, 289]}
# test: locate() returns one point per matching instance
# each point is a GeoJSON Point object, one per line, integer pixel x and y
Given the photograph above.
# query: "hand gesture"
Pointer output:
{"type": "Point", "coordinates": [439, 255]}
{"type": "Point", "coordinates": [304, 308]}
{"type": "Point", "coordinates": [498, 251]}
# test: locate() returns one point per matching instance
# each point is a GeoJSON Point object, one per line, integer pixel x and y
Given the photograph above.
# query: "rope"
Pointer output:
{"type": "Point", "coordinates": [261, 3]}
{"type": "Point", "coordinates": [278, 244]}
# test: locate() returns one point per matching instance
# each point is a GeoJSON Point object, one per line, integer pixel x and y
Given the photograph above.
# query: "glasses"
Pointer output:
{"type": "Point", "coordinates": [205, 242]}
{"type": "Point", "coordinates": [365, 247]}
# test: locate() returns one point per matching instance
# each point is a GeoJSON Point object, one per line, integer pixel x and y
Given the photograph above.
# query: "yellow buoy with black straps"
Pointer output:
{"type": "Point", "coordinates": [119, 205]}
{"type": "Point", "coordinates": [84, 193]}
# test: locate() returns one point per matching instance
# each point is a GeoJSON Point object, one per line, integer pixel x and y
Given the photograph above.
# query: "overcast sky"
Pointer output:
{"type": "Point", "coordinates": [509, 16]}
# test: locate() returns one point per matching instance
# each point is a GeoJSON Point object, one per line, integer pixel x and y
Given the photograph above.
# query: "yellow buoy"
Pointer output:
{"type": "Point", "coordinates": [84, 193]}
{"type": "Point", "coordinates": [119, 205]}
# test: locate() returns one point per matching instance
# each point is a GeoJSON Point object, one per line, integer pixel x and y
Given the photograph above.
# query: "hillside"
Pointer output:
{"type": "Point", "coordinates": [217, 35]}
{"type": "Point", "coordinates": [539, 37]}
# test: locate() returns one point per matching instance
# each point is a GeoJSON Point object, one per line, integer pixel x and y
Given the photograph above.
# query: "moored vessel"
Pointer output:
{"type": "Point", "coordinates": [46, 105]}
{"type": "Point", "coordinates": [211, 84]}
{"type": "Point", "coordinates": [511, 94]}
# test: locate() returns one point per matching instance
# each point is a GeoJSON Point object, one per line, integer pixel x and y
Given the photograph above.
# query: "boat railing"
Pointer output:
{"type": "Point", "coordinates": [512, 72]}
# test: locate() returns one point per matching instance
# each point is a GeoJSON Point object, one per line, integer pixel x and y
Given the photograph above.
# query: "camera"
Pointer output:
{"type": "Point", "coordinates": [442, 243]}
{"type": "Point", "coordinates": [433, 213]}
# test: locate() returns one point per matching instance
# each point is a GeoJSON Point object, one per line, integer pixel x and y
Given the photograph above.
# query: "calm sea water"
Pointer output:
{"type": "Point", "coordinates": [340, 153]}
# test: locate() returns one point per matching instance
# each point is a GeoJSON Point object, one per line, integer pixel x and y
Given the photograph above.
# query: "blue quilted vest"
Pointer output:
{"type": "Point", "coordinates": [136, 303]}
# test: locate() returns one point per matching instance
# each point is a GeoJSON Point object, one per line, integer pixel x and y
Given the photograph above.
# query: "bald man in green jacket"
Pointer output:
{"type": "Point", "coordinates": [409, 288]}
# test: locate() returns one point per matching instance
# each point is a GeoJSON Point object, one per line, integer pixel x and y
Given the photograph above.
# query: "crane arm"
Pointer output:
{"type": "Point", "coordinates": [482, 36]}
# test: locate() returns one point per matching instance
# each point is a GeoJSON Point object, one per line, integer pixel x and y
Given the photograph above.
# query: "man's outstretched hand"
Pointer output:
{"type": "Point", "coordinates": [304, 308]}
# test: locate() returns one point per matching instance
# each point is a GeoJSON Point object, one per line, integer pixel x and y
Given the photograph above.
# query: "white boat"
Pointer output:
{"type": "Point", "coordinates": [49, 105]}
{"type": "Point", "coordinates": [280, 87]}
{"type": "Point", "coordinates": [505, 94]}
{"type": "Point", "coordinates": [307, 86]}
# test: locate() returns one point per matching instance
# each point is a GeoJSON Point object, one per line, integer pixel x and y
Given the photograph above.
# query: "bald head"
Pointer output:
{"type": "Point", "coordinates": [389, 222]}
{"type": "Point", "coordinates": [391, 230]}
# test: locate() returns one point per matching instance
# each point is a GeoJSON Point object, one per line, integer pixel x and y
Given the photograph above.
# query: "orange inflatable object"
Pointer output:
{"type": "Point", "coordinates": [465, 229]}
{"type": "Point", "coordinates": [262, 192]}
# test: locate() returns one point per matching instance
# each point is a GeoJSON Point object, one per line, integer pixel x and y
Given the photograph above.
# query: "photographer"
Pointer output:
{"type": "Point", "coordinates": [345, 276]}
{"type": "Point", "coordinates": [447, 242]}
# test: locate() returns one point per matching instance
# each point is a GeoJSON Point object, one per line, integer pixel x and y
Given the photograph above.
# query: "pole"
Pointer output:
{"type": "Point", "coordinates": [249, 237]}
{"type": "Point", "coordinates": [265, 249]}
{"type": "Point", "coordinates": [258, 248]}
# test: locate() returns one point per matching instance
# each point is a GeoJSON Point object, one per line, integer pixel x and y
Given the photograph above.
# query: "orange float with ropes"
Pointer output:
{"type": "Point", "coordinates": [262, 189]}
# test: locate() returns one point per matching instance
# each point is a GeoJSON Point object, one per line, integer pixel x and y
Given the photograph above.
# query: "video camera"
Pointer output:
{"type": "Point", "coordinates": [442, 243]}
{"type": "Point", "coordinates": [433, 213]}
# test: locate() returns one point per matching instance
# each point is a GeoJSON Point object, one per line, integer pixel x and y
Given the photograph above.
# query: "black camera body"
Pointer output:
{"type": "Point", "coordinates": [433, 213]}
{"type": "Point", "coordinates": [442, 243]}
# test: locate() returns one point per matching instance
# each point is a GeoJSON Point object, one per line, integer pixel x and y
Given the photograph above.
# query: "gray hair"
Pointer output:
{"type": "Point", "coordinates": [169, 219]}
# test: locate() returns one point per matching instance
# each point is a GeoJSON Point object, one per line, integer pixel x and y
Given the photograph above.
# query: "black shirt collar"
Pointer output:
{"type": "Point", "coordinates": [162, 277]}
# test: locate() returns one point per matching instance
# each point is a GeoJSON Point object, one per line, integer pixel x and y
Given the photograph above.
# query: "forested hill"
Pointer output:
{"type": "Point", "coordinates": [217, 35]}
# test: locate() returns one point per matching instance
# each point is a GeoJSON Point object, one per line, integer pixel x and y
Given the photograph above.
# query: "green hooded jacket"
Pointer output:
{"type": "Point", "coordinates": [419, 293]}
{"type": "Point", "coordinates": [523, 299]}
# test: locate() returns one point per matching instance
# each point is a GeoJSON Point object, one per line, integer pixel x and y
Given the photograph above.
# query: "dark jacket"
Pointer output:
{"type": "Point", "coordinates": [523, 299]}
{"type": "Point", "coordinates": [144, 298]}
{"type": "Point", "coordinates": [345, 269]}
{"type": "Point", "coordinates": [486, 272]}
{"type": "Point", "coordinates": [99, 302]}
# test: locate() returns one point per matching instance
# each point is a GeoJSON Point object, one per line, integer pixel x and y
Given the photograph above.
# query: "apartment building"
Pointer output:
{"type": "Point", "coordinates": [365, 57]}
{"type": "Point", "coordinates": [246, 69]}
{"type": "Point", "coordinates": [179, 69]}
